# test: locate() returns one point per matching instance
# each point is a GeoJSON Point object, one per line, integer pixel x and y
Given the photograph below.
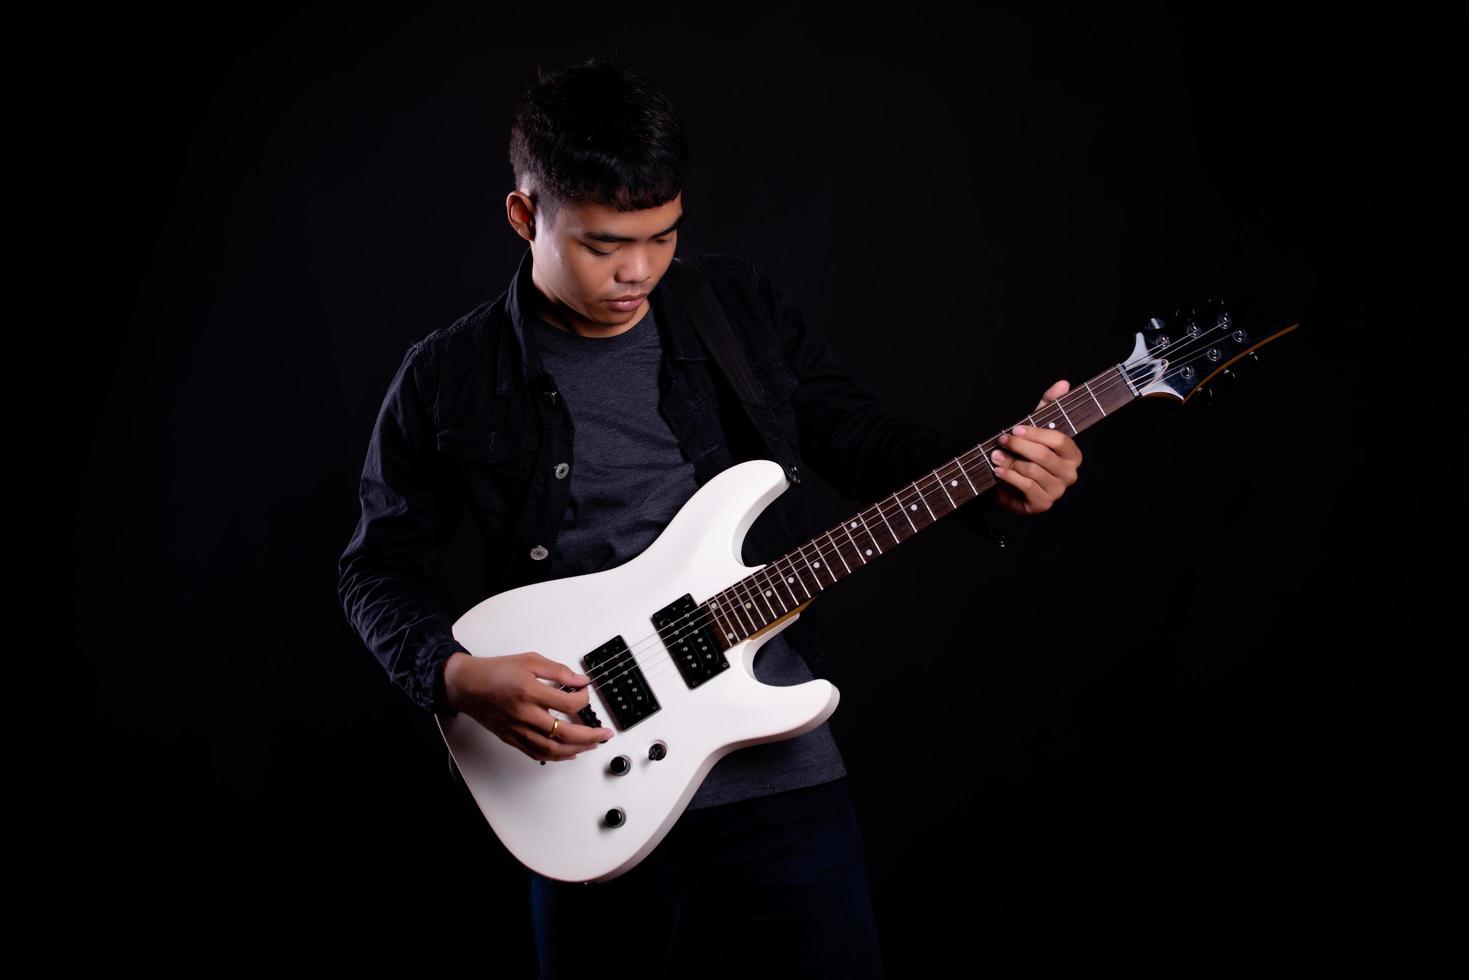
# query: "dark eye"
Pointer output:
{"type": "Point", "coordinates": [595, 252]}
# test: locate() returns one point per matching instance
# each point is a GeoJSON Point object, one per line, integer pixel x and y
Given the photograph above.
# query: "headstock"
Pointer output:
{"type": "Point", "coordinates": [1181, 354]}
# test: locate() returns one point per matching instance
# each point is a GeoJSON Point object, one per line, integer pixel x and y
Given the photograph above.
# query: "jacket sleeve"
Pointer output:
{"type": "Point", "coordinates": [410, 504]}
{"type": "Point", "coordinates": [855, 444]}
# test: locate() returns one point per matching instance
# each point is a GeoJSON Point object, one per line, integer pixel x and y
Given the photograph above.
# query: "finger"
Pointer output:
{"type": "Point", "coordinates": [1022, 484]}
{"type": "Point", "coordinates": [546, 667]}
{"type": "Point", "coordinates": [1034, 445]}
{"type": "Point", "coordinates": [1036, 485]}
{"type": "Point", "coordinates": [563, 746]}
{"type": "Point", "coordinates": [1051, 470]}
{"type": "Point", "coordinates": [1051, 484]}
{"type": "Point", "coordinates": [547, 694]}
{"type": "Point", "coordinates": [1059, 442]}
{"type": "Point", "coordinates": [575, 733]}
{"type": "Point", "coordinates": [1052, 393]}
{"type": "Point", "coordinates": [536, 745]}
{"type": "Point", "coordinates": [570, 730]}
{"type": "Point", "coordinates": [1064, 455]}
{"type": "Point", "coordinates": [543, 749]}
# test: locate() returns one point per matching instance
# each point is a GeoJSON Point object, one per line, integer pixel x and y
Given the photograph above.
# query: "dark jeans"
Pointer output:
{"type": "Point", "coordinates": [775, 884]}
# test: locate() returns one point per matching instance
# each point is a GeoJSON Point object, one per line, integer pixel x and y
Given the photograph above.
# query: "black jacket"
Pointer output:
{"type": "Point", "coordinates": [471, 420]}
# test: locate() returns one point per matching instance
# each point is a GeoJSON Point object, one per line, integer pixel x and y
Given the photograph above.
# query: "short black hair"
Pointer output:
{"type": "Point", "coordinates": [599, 130]}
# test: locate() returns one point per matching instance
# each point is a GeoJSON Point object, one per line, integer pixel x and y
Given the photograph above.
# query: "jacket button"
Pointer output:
{"type": "Point", "coordinates": [538, 552]}
{"type": "Point", "coordinates": [561, 470]}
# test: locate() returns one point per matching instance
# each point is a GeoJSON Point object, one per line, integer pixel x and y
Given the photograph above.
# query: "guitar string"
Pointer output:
{"type": "Point", "coordinates": [695, 620]}
{"type": "Point", "coordinates": [625, 661]}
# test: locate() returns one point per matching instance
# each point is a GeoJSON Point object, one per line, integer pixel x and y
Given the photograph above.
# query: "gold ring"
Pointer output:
{"type": "Point", "coordinates": [554, 723]}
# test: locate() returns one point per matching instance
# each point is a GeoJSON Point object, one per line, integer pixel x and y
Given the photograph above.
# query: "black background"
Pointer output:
{"type": "Point", "coordinates": [1199, 703]}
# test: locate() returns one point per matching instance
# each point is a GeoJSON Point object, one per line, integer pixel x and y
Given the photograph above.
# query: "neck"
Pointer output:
{"type": "Point", "coordinates": [782, 587]}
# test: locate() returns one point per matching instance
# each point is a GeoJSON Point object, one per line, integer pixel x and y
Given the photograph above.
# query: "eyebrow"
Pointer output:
{"type": "Point", "coordinates": [607, 236]}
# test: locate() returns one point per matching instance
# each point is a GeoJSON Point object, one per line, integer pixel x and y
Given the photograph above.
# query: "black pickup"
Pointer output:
{"type": "Point", "coordinates": [688, 633]}
{"type": "Point", "coordinates": [620, 682]}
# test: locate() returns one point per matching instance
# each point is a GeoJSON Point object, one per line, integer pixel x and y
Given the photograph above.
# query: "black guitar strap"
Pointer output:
{"type": "Point", "coordinates": [698, 300]}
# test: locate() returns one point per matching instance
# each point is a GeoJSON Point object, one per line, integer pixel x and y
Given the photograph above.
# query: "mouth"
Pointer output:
{"type": "Point", "coordinates": [626, 303]}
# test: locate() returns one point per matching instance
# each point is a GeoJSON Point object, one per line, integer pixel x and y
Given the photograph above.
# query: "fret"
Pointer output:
{"type": "Point", "coordinates": [741, 616]}
{"type": "Point", "coordinates": [730, 633]}
{"type": "Point", "coordinates": [767, 588]}
{"type": "Point", "coordinates": [896, 539]}
{"type": "Point", "coordinates": [966, 476]}
{"type": "Point", "coordinates": [796, 574]}
{"type": "Point", "coordinates": [905, 513]}
{"type": "Point", "coordinates": [847, 527]}
{"type": "Point", "coordinates": [783, 580]}
{"type": "Point", "coordinates": [1061, 407]}
{"type": "Point", "coordinates": [952, 505]}
{"type": "Point", "coordinates": [924, 499]}
{"type": "Point", "coordinates": [772, 582]}
{"type": "Point", "coordinates": [1088, 387]}
{"type": "Point", "coordinates": [837, 545]}
{"type": "Point", "coordinates": [738, 609]}
{"type": "Point", "coordinates": [817, 563]}
{"type": "Point", "coordinates": [811, 566]}
{"type": "Point", "coordinates": [764, 597]}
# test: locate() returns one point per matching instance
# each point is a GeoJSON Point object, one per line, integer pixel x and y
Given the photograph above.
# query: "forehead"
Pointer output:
{"type": "Point", "coordinates": [599, 220]}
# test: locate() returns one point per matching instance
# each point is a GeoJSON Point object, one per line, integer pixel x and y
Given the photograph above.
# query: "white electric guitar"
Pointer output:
{"type": "Point", "coordinates": [669, 638]}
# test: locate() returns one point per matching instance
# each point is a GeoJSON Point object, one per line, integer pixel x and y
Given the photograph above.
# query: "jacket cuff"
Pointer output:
{"type": "Point", "coordinates": [431, 692]}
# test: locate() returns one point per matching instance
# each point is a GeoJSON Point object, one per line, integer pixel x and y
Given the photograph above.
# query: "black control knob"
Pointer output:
{"type": "Point", "coordinates": [615, 817]}
{"type": "Point", "coordinates": [620, 766]}
{"type": "Point", "coordinates": [657, 751]}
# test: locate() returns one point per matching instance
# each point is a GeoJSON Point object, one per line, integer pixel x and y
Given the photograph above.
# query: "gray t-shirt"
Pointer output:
{"type": "Point", "coordinates": [628, 480]}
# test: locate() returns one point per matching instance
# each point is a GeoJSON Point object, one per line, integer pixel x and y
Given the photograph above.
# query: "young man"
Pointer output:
{"type": "Point", "coordinates": [573, 416]}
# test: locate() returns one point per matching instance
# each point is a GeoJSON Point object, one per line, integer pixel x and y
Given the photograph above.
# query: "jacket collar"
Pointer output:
{"type": "Point", "coordinates": [520, 361]}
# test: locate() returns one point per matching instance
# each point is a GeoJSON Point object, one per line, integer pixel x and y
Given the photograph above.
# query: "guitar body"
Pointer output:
{"type": "Point", "coordinates": [553, 817]}
{"type": "Point", "coordinates": [595, 816]}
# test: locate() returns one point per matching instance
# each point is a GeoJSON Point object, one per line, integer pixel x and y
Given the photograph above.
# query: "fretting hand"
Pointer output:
{"type": "Point", "coordinates": [1036, 465]}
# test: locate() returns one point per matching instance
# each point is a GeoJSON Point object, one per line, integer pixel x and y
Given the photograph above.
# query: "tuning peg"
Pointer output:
{"type": "Point", "coordinates": [1233, 378]}
{"type": "Point", "coordinates": [1256, 358]}
{"type": "Point", "coordinates": [1208, 395]}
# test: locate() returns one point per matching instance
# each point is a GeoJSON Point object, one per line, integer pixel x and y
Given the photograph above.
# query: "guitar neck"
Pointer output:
{"type": "Point", "coordinates": [794, 579]}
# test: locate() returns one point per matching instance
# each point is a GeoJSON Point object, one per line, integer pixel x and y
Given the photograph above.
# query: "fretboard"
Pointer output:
{"type": "Point", "coordinates": [797, 577]}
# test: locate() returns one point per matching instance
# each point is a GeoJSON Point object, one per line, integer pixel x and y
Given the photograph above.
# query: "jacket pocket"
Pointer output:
{"type": "Point", "coordinates": [487, 444]}
{"type": "Point", "coordinates": [496, 466]}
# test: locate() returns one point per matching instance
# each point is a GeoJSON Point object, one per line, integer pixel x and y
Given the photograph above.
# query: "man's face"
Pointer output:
{"type": "Point", "coordinates": [594, 254]}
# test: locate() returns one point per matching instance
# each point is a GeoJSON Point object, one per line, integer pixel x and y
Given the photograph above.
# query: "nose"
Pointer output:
{"type": "Point", "coordinates": [635, 270]}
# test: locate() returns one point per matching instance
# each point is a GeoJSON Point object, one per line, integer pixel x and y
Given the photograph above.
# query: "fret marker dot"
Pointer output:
{"type": "Point", "coordinates": [854, 524]}
{"type": "Point", "coordinates": [747, 605]}
{"type": "Point", "coordinates": [815, 564]}
{"type": "Point", "coordinates": [730, 635]}
{"type": "Point", "coordinates": [767, 592]}
{"type": "Point", "coordinates": [869, 551]}
{"type": "Point", "coordinates": [1050, 425]}
{"type": "Point", "coordinates": [912, 506]}
{"type": "Point", "coordinates": [790, 578]}
{"type": "Point", "coordinates": [953, 483]}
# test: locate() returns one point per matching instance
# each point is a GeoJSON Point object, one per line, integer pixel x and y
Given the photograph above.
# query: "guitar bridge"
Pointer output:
{"type": "Point", "coordinates": [691, 641]}
{"type": "Point", "coordinates": [622, 686]}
